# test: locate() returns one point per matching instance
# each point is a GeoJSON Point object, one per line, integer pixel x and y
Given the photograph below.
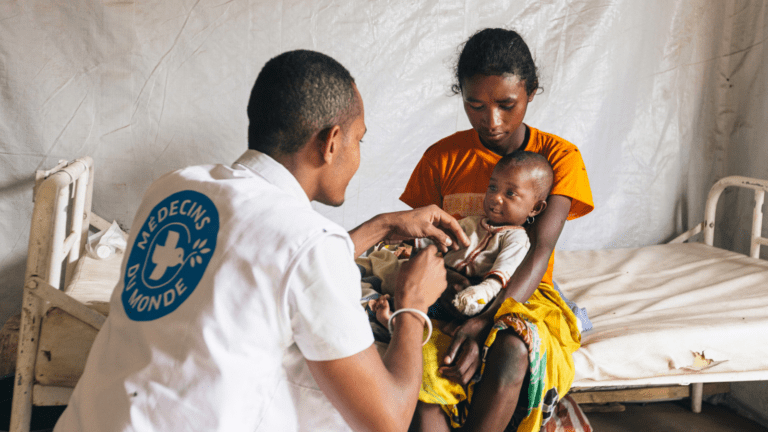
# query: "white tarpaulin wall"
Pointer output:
{"type": "Point", "coordinates": [662, 97]}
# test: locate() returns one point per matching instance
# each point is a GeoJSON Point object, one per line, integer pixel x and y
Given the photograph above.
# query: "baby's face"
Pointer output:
{"type": "Point", "coordinates": [510, 197]}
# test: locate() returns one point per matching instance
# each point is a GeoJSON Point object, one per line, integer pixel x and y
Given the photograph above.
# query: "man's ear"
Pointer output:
{"type": "Point", "coordinates": [538, 208]}
{"type": "Point", "coordinates": [329, 141]}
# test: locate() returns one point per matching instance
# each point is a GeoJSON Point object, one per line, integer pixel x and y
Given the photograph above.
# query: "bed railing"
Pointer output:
{"type": "Point", "coordinates": [60, 222]}
{"type": "Point", "coordinates": [708, 226]}
{"type": "Point", "coordinates": [759, 186]}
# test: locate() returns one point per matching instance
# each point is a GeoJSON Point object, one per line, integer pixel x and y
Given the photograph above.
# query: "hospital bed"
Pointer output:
{"type": "Point", "coordinates": [670, 318]}
{"type": "Point", "coordinates": [66, 291]}
{"type": "Point", "coordinates": [652, 307]}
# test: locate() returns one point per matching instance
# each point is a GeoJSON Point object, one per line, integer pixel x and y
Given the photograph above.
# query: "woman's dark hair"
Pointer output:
{"type": "Point", "coordinates": [496, 51]}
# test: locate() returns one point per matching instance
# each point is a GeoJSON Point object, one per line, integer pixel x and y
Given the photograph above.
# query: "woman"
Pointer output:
{"type": "Point", "coordinates": [528, 331]}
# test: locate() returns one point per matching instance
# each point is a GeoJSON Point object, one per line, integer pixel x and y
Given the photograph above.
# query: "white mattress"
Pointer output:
{"type": "Point", "coordinates": [653, 307]}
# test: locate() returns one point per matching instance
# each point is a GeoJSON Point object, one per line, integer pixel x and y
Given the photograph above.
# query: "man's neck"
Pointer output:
{"type": "Point", "coordinates": [306, 176]}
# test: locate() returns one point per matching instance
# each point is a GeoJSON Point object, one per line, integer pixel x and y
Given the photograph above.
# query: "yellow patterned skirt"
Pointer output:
{"type": "Point", "coordinates": [549, 330]}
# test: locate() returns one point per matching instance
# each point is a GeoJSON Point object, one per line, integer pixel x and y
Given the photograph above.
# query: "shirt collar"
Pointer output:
{"type": "Point", "coordinates": [498, 228]}
{"type": "Point", "coordinates": [272, 171]}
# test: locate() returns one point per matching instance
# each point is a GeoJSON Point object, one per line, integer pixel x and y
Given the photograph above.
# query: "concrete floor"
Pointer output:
{"type": "Point", "coordinates": [673, 416]}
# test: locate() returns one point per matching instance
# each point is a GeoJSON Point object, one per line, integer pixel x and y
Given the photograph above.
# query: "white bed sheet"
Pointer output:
{"type": "Point", "coordinates": [653, 307]}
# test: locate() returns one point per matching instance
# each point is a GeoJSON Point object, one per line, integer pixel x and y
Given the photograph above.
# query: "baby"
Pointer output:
{"type": "Point", "coordinates": [517, 192]}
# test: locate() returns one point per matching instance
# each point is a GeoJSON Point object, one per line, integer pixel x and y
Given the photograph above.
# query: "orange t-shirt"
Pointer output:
{"type": "Point", "coordinates": [454, 174]}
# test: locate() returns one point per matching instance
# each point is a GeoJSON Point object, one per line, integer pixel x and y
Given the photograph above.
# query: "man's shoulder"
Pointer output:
{"type": "Point", "coordinates": [280, 214]}
{"type": "Point", "coordinates": [249, 207]}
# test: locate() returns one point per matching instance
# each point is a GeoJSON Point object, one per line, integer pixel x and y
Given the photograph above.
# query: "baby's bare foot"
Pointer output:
{"type": "Point", "coordinates": [380, 307]}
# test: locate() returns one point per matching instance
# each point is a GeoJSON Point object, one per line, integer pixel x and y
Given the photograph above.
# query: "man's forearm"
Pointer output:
{"type": "Point", "coordinates": [403, 360]}
{"type": "Point", "coordinates": [380, 394]}
{"type": "Point", "coordinates": [369, 233]}
{"type": "Point", "coordinates": [375, 394]}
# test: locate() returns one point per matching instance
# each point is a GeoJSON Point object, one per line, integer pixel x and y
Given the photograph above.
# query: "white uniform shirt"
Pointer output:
{"type": "Point", "coordinates": [231, 280]}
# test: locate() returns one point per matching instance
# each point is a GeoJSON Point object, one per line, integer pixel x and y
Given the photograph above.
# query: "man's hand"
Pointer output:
{"type": "Point", "coordinates": [463, 357]}
{"type": "Point", "coordinates": [456, 283]}
{"type": "Point", "coordinates": [427, 222]}
{"type": "Point", "coordinates": [421, 280]}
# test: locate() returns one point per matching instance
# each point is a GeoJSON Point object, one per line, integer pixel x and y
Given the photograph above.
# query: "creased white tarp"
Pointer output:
{"type": "Point", "coordinates": [663, 97]}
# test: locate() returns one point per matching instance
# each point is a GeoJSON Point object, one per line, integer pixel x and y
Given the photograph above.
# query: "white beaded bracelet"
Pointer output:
{"type": "Point", "coordinates": [418, 312]}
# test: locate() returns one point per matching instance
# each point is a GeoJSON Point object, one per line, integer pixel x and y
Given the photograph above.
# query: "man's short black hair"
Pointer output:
{"type": "Point", "coordinates": [296, 95]}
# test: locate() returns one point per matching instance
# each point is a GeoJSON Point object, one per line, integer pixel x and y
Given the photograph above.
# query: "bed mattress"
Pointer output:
{"type": "Point", "coordinates": [668, 314]}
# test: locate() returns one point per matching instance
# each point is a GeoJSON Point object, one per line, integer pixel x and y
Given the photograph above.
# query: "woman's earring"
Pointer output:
{"type": "Point", "coordinates": [530, 220]}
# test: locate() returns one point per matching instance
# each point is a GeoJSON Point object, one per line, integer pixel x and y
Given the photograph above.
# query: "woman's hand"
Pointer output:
{"type": "Point", "coordinates": [463, 357]}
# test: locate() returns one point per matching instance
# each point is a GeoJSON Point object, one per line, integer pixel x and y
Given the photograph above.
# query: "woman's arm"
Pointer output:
{"type": "Point", "coordinates": [461, 359]}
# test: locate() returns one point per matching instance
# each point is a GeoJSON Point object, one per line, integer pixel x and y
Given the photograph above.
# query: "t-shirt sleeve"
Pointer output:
{"type": "Point", "coordinates": [323, 297]}
{"type": "Point", "coordinates": [423, 188]}
{"type": "Point", "coordinates": [571, 180]}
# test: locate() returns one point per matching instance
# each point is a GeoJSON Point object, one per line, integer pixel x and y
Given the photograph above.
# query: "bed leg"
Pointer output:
{"type": "Point", "coordinates": [29, 331]}
{"type": "Point", "coordinates": [697, 390]}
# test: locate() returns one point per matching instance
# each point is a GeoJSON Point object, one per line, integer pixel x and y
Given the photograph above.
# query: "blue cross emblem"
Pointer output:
{"type": "Point", "coordinates": [169, 255]}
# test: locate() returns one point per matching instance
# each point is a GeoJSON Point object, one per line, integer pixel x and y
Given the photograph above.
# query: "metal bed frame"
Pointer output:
{"type": "Point", "coordinates": [696, 390]}
{"type": "Point", "coordinates": [60, 224]}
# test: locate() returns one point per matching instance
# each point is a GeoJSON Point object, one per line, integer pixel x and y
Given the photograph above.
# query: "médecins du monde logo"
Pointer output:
{"type": "Point", "coordinates": [170, 255]}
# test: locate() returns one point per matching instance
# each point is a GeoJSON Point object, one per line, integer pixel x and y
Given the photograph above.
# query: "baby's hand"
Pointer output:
{"type": "Point", "coordinates": [472, 300]}
{"type": "Point", "coordinates": [380, 307]}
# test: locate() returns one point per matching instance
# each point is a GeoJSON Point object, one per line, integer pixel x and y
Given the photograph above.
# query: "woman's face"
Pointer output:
{"type": "Point", "coordinates": [496, 105]}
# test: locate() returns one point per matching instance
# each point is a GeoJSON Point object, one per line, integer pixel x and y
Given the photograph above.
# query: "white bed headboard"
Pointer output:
{"type": "Point", "coordinates": [708, 226]}
{"type": "Point", "coordinates": [760, 187]}
{"type": "Point", "coordinates": [60, 220]}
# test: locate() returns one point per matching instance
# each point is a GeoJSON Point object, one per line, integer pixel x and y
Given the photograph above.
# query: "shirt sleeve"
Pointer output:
{"type": "Point", "coordinates": [423, 188]}
{"type": "Point", "coordinates": [514, 246]}
{"type": "Point", "coordinates": [323, 296]}
{"type": "Point", "coordinates": [571, 180]}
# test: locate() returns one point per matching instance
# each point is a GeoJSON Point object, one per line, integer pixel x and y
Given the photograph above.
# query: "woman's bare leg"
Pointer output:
{"type": "Point", "coordinates": [496, 395]}
{"type": "Point", "coordinates": [429, 418]}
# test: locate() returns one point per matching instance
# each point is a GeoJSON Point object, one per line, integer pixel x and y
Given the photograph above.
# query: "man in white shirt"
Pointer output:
{"type": "Point", "coordinates": [238, 306]}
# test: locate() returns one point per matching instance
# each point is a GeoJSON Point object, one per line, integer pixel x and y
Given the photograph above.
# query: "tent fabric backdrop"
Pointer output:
{"type": "Point", "coordinates": [662, 97]}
